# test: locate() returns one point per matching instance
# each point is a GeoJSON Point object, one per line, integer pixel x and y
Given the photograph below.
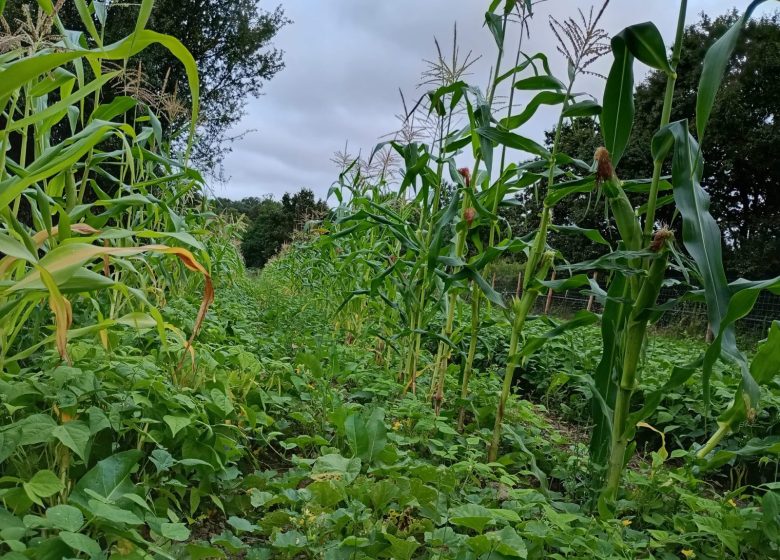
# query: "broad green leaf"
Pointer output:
{"type": "Point", "coordinates": [81, 543]}
{"type": "Point", "coordinates": [715, 62]}
{"type": "Point", "coordinates": [202, 551]}
{"type": "Point", "coordinates": [581, 318]}
{"type": "Point", "coordinates": [138, 320]}
{"type": "Point", "coordinates": [46, 6]}
{"type": "Point", "coordinates": [258, 498]}
{"type": "Point", "coordinates": [118, 106]}
{"type": "Point", "coordinates": [109, 478]}
{"type": "Point", "coordinates": [514, 141]}
{"type": "Point", "coordinates": [530, 61]}
{"type": "Point", "coordinates": [495, 23]}
{"type": "Point", "coordinates": [617, 113]}
{"type": "Point", "coordinates": [241, 524]}
{"type": "Point", "coordinates": [221, 401]}
{"type": "Point", "coordinates": [765, 364]}
{"type": "Point", "coordinates": [176, 423]}
{"type": "Point", "coordinates": [74, 435]}
{"type": "Point", "coordinates": [542, 98]}
{"type": "Point", "coordinates": [473, 516]}
{"type": "Point", "coordinates": [144, 13]}
{"type": "Point", "coordinates": [36, 428]}
{"type": "Point", "coordinates": [367, 436]}
{"type": "Point", "coordinates": [592, 234]}
{"type": "Point", "coordinates": [505, 542]}
{"type": "Point", "coordinates": [67, 518]}
{"type": "Point", "coordinates": [542, 81]}
{"type": "Point", "coordinates": [770, 522]}
{"type": "Point", "coordinates": [112, 513]}
{"type": "Point", "coordinates": [401, 549]}
{"type": "Point", "coordinates": [86, 18]}
{"type": "Point", "coordinates": [755, 447]}
{"type": "Point", "coordinates": [701, 234]}
{"type": "Point", "coordinates": [175, 531]}
{"type": "Point", "coordinates": [9, 441]}
{"type": "Point", "coordinates": [56, 80]}
{"type": "Point", "coordinates": [347, 469]}
{"type": "Point", "coordinates": [646, 44]}
{"type": "Point", "coordinates": [559, 191]}
{"type": "Point", "coordinates": [10, 246]}
{"type": "Point", "coordinates": [613, 324]}
{"type": "Point", "coordinates": [43, 484]}
{"type": "Point", "coordinates": [584, 108]}
{"type": "Point", "coordinates": [289, 540]}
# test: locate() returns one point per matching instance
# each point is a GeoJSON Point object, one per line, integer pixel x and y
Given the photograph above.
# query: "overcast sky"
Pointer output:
{"type": "Point", "coordinates": [346, 60]}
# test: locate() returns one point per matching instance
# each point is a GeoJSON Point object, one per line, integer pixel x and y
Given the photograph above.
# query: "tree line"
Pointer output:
{"type": "Point", "coordinates": [272, 223]}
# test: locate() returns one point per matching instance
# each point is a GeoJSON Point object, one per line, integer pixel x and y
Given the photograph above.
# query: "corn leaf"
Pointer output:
{"type": "Point", "coordinates": [714, 67]}
{"type": "Point", "coordinates": [701, 235]}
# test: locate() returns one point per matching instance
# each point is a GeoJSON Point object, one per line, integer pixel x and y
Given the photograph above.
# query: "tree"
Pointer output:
{"type": "Point", "coordinates": [266, 235]}
{"type": "Point", "coordinates": [230, 41]}
{"type": "Point", "coordinates": [273, 223]}
{"type": "Point", "coordinates": [741, 173]}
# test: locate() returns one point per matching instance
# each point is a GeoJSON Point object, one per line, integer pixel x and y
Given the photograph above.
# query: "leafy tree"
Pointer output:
{"type": "Point", "coordinates": [273, 223]}
{"type": "Point", "coordinates": [230, 41]}
{"type": "Point", "coordinates": [741, 173]}
{"type": "Point", "coordinates": [249, 206]}
{"type": "Point", "coordinates": [268, 232]}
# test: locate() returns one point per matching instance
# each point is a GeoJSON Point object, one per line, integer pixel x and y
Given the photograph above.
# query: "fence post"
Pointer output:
{"type": "Point", "coordinates": [592, 297]}
{"type": "Point", "coordinates": [494, 280]}
{"type": "Point", "coordinates": [709, 335]}
{"type": "Point", "coordinates": [519, 283]}
{"type": "Point", "coordinates": [549, 297]}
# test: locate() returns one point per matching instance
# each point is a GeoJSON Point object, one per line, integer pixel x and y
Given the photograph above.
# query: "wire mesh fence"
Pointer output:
{"type": "Point", "coordinates": [687, 317]}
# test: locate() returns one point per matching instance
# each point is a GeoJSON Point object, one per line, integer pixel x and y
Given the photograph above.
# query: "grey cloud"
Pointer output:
{"type": "Point", "coordinates": [346, 60]}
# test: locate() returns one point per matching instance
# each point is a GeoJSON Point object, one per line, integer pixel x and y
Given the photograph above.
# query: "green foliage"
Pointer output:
{"type": "Point", "coordinates": [273, 224]}
{"type": "Point", "coordinates": [740, 126]}
{"type": "Point", "coordinates": [230, 42]}
{"type": "Point", "coordinates": [291, 419]}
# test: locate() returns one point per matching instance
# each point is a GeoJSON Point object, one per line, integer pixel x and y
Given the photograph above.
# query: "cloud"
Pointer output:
{"type": "Point", "coordinates": [346, 60]}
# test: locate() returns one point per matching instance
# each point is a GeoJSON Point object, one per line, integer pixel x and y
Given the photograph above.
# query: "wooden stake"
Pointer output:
{"type": "Point", "coordinates": [548, 305]}
{"type": "Point", "coordinates": [592, 297]}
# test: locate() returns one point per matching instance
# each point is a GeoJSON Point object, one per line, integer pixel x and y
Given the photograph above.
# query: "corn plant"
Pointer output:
{"type": "Point", "coordinates": [640, 264]}
{"type": "Point", "coordinates": [583, 45]}
{"type": "Point", "coordinates": [85, 185]}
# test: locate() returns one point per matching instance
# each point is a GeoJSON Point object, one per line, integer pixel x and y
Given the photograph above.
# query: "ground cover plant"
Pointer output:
{"type": "Point", "coordinates": [369, 394]}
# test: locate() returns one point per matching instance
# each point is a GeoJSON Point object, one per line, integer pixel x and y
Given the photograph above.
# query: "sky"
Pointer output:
{"type": "Point", "coordinates": [346, 61]}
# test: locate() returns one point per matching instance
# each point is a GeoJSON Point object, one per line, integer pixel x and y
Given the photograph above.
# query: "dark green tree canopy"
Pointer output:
{"type": "Point", "coordinates": [742, 172]}
{"type": "Point", "coordinates": [272, 223]}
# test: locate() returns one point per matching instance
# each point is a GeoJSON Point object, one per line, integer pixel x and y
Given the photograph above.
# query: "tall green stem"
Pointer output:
{"type": "Point", "coordinates": [666, 114]}
{"type": "Point", "coordinates": [634, 334]}
{"type": "Point", "coordinates": [537, 266]}
{"type": "Point", "coordinates": [443, 353]}
{"type": "Point", "coordinates": [476, 293]}
{"type": "Point", "coordinates": [629, 380]}
{"type": "Point", "coordinates": [521, 310]}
